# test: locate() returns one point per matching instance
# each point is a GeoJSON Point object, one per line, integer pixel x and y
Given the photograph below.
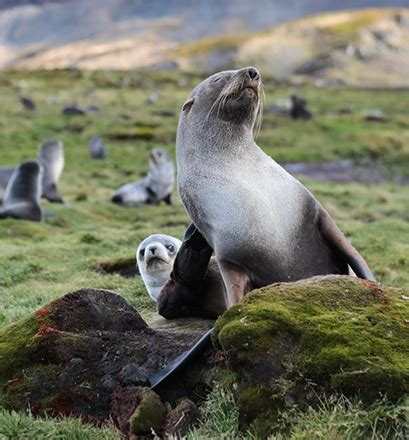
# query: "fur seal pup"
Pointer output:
{"type": "Point", "coordinates": [51, 158]}
{"type": "Point", "coordinates": [155, 187]}
{"type": "Point", "coordinates": [262, 223]}
{"type": "Point", "coordinates": [155, 257]}
{"type": "Point", "coordinates": [22, 196]}
{"type": "Point", "coordinates": [96, 148]}
{"type": "Point", "coordinates": [181, 277]}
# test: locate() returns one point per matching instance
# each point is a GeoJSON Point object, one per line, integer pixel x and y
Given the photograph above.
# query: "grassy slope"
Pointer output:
{"type": "Point", "coordinates": [42, 261]}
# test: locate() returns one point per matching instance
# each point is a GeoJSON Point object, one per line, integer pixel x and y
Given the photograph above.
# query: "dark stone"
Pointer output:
{"type": "Point", "coordinates": [182, 419]}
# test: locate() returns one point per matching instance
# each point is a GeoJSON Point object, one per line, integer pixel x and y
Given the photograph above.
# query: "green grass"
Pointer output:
{"type": "Point", "coordinates": [40, 262]}
{"type": "Point", "coordinates": [15, 426]}
{"type": "Point", "coordinates": [334, 418]}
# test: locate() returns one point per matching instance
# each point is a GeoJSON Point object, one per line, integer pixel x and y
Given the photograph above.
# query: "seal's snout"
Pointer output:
{"type": "Point", "coordinates": [253, 73]}
{"type": "Point", "coordinates": [117, 199]}
{"type": "Point", "coordinates": [152, 249]}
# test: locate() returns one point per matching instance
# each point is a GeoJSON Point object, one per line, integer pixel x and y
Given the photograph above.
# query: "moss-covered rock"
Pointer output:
{"type": "Point", "coordinates": [149, 415]}
{"type": "Point", "coordinates": [331, 334]}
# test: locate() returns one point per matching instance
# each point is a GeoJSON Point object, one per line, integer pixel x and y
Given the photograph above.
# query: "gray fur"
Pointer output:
{"type": "Point", "coordinates": [255, 215]}
{"type": "Point", "coordinates": [155, 187]}
{"type": "Point", "coordinates": [96, 148]}
{"type": "Point", "coordinates": [22, 196]}
{"type": "Point", "coordinates": [5, 174]}
{"type": "Point", "coordinates": [51, 158]}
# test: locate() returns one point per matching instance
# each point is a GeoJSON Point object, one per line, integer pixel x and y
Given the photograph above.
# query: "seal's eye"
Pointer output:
{"type": "Point", "coordinates": [217, 79]}
{"type": "Point", "coordinates": [170, 247]}
{"type": "Point", "coordinates": [142, 253]}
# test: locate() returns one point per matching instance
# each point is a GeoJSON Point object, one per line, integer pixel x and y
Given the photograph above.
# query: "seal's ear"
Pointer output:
{"type": "Point", "coordinates": [188, 104]}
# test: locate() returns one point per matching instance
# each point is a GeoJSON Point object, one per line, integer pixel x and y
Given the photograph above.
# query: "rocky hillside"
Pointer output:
{"type": "Point", "coordinates": [369, 46]}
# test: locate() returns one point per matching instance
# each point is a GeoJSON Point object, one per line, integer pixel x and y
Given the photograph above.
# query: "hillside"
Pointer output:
{"type": "Point", "coordinates": [359, 47]}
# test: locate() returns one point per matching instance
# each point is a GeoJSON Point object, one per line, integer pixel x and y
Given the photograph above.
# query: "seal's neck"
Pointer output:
{"type": "Point", "coordinates": [212, 139]}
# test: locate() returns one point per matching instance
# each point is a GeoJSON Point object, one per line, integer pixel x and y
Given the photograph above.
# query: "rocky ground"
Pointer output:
{"type": "Point", "coordinates": [90, 354]}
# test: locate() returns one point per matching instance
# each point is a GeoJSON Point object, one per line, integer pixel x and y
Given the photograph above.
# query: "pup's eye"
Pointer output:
{"type": "Point", "coordinates": [217, 79]}
{"type": "Point", "coordinates": [142, 253]}
{"type": "Point", "coordinates": [170, 247]}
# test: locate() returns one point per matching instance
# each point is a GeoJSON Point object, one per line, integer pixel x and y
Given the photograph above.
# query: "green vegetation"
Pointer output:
{"type": "Point", "coordinates": [65, 252]}
{"type": "Point", "coordinates": [23, 426]}
{"type": "Point", "coordinates": [334, 334]}
{"type": "Point", "coordinates": [332, 419]}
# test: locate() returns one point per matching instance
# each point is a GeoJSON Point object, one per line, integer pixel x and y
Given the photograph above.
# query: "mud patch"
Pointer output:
{"type": "Point", "coordinates": [343, 171]}
{"type": "Point", "coordinates": [124, 266]}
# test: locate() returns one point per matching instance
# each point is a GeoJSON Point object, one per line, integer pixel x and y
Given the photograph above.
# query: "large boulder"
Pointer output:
{"type": "Point", "coordinates": [77, 353]}
{"type": "Point", "coordinates": [288, 343]}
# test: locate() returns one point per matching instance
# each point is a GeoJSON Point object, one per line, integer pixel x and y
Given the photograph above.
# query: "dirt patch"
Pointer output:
{"type": "Point", "coordinates": [343, 171]}
{"type": "Point", "coordinates": [124, 266]}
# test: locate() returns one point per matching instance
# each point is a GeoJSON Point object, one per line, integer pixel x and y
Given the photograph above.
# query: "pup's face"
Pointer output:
{"type": "Point", "coordinates": [158, 157]}
{"type": "Point", "coordinates": [155, 257]}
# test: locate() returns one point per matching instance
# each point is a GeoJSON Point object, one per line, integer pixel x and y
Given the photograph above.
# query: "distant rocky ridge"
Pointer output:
{"type": "Point", "coordinates": [363, 47]}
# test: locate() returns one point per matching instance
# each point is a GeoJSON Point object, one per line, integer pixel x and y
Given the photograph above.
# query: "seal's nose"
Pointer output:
{"type": "Point", "coordinates": [253, 73]}
{"type": "Point", "coordinates": [117, 199]}
{"type": "Point", "coordinates": [152, 249]}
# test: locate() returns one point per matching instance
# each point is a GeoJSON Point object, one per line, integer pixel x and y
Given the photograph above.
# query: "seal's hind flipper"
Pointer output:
{"type": "Point", "coordinates": [337, 241]}
{"type": "Point", "coordinates": [178, 364]}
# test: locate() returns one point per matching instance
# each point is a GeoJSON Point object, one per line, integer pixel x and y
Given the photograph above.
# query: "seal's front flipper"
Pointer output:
{"type": "Point", "coordinates": [236, 281]}
{"type": "Point", "coordinates": [192, 290]}
{"type": "Point", "coordinates": [51, 194]}
{"type": "Point", "coordinates": [193, 258]}
{"type": "Point", "coordinates": [337, 241]}
{"type": "Point", "coordinates": [168, 200]}
{"type": "Point", "coordinates": [178, 364]}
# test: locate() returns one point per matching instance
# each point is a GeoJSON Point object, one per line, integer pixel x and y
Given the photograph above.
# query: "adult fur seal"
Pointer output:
{"type": "Point", "coordinates": [22, 196]}
{"type": "Point", "coordinates": [155, 187]}
{"type": "Point", "coordinates": [155, 257]}
{"type": "Point", "coordinates": [51, 158]}
{"type": "Point", "coordinates": [262, 223]}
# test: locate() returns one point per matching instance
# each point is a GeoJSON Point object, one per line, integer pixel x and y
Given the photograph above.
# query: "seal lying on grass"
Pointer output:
{"type": "Point", "coordinates": [155, 187]}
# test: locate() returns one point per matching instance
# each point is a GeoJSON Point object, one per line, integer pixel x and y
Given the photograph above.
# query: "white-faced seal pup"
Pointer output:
{"type": "Point", "coordinates": [22, 196]}
{"type": "Point", "coordinates": [155, 257]}
{"type": "Point", "coordinates": [183, 281]}
{"type": "Point", "coordinates": [51, 158]}
{"type": "Point", "coordinates": [262, 223]}
{"type": "Point", "coordinates": [155, 187]}
{"type": "Point", "coordinates": [96, 148]}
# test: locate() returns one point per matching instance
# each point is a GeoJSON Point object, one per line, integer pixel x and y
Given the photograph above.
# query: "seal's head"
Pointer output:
{"type": "Point", "coordinates": [24, 184]}
{"type": "Point", "coordinates": [158, 157]}
{"type": "Point", "coordinates": [155, 257]}
{"type": "Point", "coordinates": [231, 96]}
